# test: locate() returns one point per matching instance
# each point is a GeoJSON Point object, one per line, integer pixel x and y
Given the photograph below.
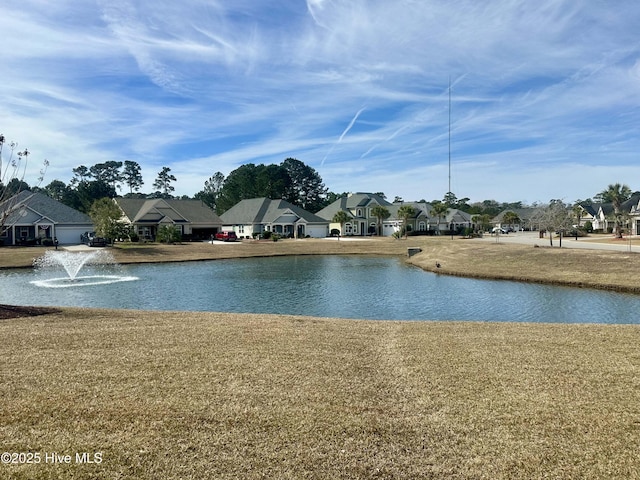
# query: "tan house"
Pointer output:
{"type": "Point", "coordinates": [194, 219]}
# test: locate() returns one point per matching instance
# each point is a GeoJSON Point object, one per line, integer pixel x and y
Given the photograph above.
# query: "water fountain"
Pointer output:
{"type": "Point", "coordinates": [73, 263]}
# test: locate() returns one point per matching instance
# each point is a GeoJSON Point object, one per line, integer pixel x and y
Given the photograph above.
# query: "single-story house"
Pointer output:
{"type": "Point", "coordinates": [529, 218]}
{"type": "Point", "coordinates": [253, 216]}
{"type": "Point", "coordinates": [457, 220]}
{"type": "Point", "coordinates": [193, 218]}
{"type": "Point", "coordinates": [603, 217]}
{"type": "Point", "coordinates": [590, 214]}
{"type": "Point", "coordinates": [419, 222]}
{"type": "Point", "coordinates": [31, 217]}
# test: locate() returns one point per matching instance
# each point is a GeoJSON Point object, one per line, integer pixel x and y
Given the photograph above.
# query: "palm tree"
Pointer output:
{"type": "Point", "coordinates": [440, 210]}
{"type": "Point", "coordinates": [510, 218]}
{"type": "Point", "coordinates": [405, 212]}
{"type": "Point", "coordinates": [340, 217]}
{"type": "Point", "coordinates": [381, 213]}
{"type": "Point", "coordinates": [616, 194]}
{"type": "Point", "coordinates": [481, 222]}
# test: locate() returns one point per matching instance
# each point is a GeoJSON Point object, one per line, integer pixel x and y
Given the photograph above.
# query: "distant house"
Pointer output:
{"type": "Point", "coordinates": [358, 207]}
{"type": "Point", "coordinates": [419, 222]}
{"type": "Point", "coordinates": [603, 220]}
{"type": "Point", "coordinates": [634, 216]}
{"type": "Point", "coordinates": [602, 215]}
{"type": "Point", "coordinates": [529, 218]}
{"type": "Point", "coordinates": [590, 214]}
{"type": "Point", "coordinates": [30, 218]}
{"type": "Point", "coordinates": [457, 220]}
{"type": "Point", "coordinates": [193, 218]}
{"type": "Point", "coordinates": [257, 215]}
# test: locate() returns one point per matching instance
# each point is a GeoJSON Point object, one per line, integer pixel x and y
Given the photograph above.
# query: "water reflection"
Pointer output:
{"type": "Point", "coordinates": [328, 286]}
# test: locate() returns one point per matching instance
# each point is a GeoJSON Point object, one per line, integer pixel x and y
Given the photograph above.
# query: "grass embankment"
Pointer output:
{"type": "Point", "coordinates": [611, 270]}
{"type": "Point", "coordinates": [208, 395]}
{"type": "Point", "coordinates": [204, 395]}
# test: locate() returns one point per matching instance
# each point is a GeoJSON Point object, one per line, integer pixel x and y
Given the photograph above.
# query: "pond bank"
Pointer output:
{"type": "Point", "coordinates": [611, 270]}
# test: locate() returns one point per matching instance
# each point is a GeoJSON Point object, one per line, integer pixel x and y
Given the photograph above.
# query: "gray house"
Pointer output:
{"type": "Point", "coordinates": [257, 215]}
{"type": "Point", "coordinates": [193, 218]}
{"type": "Point", "coordinates": [30, 218]}
{"type": "Point", "coordinates": [358, 207]}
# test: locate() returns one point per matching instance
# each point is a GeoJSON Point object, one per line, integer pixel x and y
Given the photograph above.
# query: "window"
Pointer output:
{"type": "Point", "coordinates": [240, 228]}
{"type": "Point", "coordinates": [145, 233]}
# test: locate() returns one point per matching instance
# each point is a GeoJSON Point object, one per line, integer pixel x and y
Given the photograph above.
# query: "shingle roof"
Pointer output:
{"type": "Point", "coordinates": [178, 211]}
{"type": "Point", "coordinates": [264, 210]}
{"type": "Point", "coordinates": [45, 206]}
{"type": "Point", "coordinates": [421, 208]}
{"type": "Point", "coordinates": [351, 202]}
{"type": "Point", "coordinates": [525, 213]}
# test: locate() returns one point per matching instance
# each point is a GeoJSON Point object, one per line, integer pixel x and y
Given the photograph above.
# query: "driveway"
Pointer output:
{"type": "Point", "coordinates": [79, 248]}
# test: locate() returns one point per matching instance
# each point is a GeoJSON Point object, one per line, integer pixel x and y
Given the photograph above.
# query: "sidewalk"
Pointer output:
{"type": "Point", "coordinates": [533, 238]}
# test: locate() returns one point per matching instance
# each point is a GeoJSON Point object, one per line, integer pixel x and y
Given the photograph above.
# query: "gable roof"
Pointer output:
{"type": "Point", "coordinates": [421, 209]}
{"type": "Point", "coordinates": [140, 210]}
{"type": "Point", "coordinates": [351, 202]}
{"type": "Point", "coordinates": [525, 213]}
{"type": "Point", "coordinates": [264, 210]}
{"type": "Point", "coordinates": [44, 207]}
{"type": "Point", "coordinates": [590, 208]}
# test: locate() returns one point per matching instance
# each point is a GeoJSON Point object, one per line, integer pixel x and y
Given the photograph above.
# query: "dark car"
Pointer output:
{"type": "Point", "coordinates": [91, 240]}
{"type": "Point", "coordinates": [227, 236]}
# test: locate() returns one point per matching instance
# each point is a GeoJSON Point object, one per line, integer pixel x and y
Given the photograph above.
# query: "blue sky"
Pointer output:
{"type": "Point", "coordinates": [545, 94]}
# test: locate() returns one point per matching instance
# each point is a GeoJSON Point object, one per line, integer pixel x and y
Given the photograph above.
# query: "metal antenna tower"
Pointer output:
{"type": "Point", "coordinates": [449, 191]}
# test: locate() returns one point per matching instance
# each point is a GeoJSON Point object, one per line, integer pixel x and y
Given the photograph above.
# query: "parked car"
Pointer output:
{"type": "Point", "coordinates": [227, 236]}
{"type": "Point", "coordinates": [91, 240]}
{"type": "Point", "coordinates": [499, 230]}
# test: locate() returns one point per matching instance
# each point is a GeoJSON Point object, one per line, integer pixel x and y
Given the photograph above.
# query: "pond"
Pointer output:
{"type": "Point", "coordinates": [357, 287]}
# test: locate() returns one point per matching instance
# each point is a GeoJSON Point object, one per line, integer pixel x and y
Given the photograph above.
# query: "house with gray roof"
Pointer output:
{"type": "Point", "coordinates": [419, 222]}
{"type": "Point", "coordinates": [529, 218]}
{"type": "Point", "coordinates": [31, 218]}
{"type": "Point", "coordinates": [358, 207]}
{"type": "Point", "coordinates": [425, 220]}
{"type": "Point", "coordinates": [629, 215]}
{"type": "Point", "coordinates": [193, 218]}
{"type": "Point", "coordinates": [253, 216]}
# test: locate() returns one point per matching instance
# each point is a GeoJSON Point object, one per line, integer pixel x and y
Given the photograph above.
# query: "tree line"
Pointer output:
{"type": "Point", "coordinates": [291, 180]}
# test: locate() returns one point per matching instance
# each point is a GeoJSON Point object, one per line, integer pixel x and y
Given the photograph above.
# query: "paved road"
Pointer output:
{"type": "Point", "coordinates": [533, 238]}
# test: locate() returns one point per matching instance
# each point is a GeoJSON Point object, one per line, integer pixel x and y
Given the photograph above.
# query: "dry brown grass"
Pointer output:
{"type": "Point", "coordinates": [582, 268]}
{"type": "Point", "coordinates": [205, 395]}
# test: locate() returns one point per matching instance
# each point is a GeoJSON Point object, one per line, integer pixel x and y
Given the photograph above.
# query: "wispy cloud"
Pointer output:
{"type": "Point", "coordinates": [344, 132]}
{"type": "Point", "coordinates": [201, 86]}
